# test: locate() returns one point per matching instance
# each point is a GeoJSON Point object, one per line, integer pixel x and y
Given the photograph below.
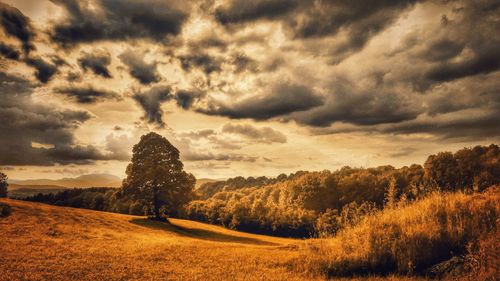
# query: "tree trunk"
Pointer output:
{"type": "Point", "coordinates": [156, 207]}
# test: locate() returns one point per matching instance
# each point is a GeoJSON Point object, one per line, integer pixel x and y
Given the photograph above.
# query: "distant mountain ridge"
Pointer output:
{"type": "Point", "coordinates": [84, 181]}
{"type": "Point", "coordinates": [90, 180]}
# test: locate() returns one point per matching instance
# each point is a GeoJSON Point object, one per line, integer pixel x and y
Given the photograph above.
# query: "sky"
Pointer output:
{"type": "Point", "coordinates": [245, 88]}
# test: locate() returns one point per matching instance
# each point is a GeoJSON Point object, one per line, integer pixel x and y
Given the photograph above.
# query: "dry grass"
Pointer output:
{"type": "Point", "coordinates": [406, 239]}
{"type": "Point", "coordinates": [42, 242]}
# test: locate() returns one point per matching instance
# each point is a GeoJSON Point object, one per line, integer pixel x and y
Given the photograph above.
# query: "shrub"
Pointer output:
{"type": "Point", "coordinates": [482, 260]}
{"type": "Point", "coordinates": [5, 210]}
{"type": "Point", "coordinates": [406, 239]}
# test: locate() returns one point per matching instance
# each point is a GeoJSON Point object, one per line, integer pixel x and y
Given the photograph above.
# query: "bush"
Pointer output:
{"type": "Point", "coordinates": [407, 239]}
{"type": "Point", "coordinates": [5, 210]}
{"type": "Point", "coordinates": [482, 260]}
{"type": "Point", "coordinates": [136, 208]}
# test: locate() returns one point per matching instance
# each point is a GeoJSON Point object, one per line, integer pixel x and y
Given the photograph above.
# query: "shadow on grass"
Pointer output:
{"type": "Point", "coordinates": [199, 233]}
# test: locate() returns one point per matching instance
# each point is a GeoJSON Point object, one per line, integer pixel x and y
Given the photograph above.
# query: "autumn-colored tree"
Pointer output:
{"type": "Point", "coordinates": [442, 170]}
{"type": "Point", "coordinates": [156, 176]}
{"type": "Point", "coordinates": [3, 185]}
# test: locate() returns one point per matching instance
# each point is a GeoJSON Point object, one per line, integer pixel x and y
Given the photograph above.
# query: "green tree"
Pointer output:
{"type": "Point", "coordinates": [156, 176]}
{"type": "Point", "coordinates": [3, 185]}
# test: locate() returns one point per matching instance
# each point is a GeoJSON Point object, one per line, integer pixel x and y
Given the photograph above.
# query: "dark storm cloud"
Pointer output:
{"type": "Point", "coordinates": [482, 63]}
{"type": "Point", "coordinates": [360, 21]}
{"type": "Point", "coordinates": [29, 122]}
{"type": "Point", "coordinates": [151, 102]}
{"type": "Point", "coordinates": [464, 45]}
{"type": "Point", "coordinates": [145, 73]}
{"type": "Point", "coordinates": [17, 25]}
{"type": "Point", "coordinates": [318, 19]}
{"type": "Point", "coordinates": [483, 125]}
{"type": "Point", "coordinates": [186, 98]}
{"type": "Point", "coordinates": [88, 94]}
{"type": "Point", "coordinates": [118, 20]}
{"type": "Point", "coordinates": [265, 134]}
{"type": "Point", "coordinates": [97, 62]}
{"type": "Point", "coordinates": [442, 49]}
{"type": "Point", "coordinates": [350, 104]}
{"type": "Point", "coordinates": [43, 69]}
{"type": "Point", "coordinates": [206, 63]}
{"type": "Point", "coordinates": [449, 73]}
{"type": "Point", "coordinates": [324, 18]}
{"type": "Point", "coordinates": [9, 51]}
{"type": "Point", "coordinates": [283, 99]}
{"type": "Point", "coordinates": [239, 11]}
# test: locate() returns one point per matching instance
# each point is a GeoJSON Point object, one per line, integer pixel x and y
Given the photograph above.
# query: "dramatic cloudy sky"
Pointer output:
{"type": "Point", "coordinates": [244, 87]}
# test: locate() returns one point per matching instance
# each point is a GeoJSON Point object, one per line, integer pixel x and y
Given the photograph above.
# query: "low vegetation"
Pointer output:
{"type": "Point", "coordinates": [412, 237]}
{"type": "Point", "coordinates": [5, 209]}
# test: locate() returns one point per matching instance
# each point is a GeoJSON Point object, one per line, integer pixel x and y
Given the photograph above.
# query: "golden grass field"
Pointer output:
{"type": "Point", "coordinates": [44, 242]}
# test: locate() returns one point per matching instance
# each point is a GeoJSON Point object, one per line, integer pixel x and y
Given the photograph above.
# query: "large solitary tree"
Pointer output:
{"type": "Point", "coordinates": [156, 176]}
{"type": "Point", "coordinates": [3, 185]}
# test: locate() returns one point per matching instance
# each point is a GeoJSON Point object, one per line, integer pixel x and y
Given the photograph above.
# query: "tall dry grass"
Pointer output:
{"type": "Point", "coordinates": [406, 239]}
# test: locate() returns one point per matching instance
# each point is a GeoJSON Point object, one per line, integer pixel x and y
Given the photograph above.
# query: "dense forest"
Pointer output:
{"type": "Point", "coordinates": [305, 203]}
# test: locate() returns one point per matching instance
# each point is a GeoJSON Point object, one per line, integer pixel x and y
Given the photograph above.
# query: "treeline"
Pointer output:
{"type": "Point", "coordinates": [94, 198]}
{"type": "Point", "coordinates": [309, 203]}
{"type": "Point", "coordinates": [321, 203]}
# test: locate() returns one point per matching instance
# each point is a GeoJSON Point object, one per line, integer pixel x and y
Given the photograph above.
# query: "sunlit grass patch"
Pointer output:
{"type": "Point", "coordinates": [408, 239]}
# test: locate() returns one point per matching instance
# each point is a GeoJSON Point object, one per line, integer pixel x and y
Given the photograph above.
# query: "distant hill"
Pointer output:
{"type": "Point", "coordinates": [15, 186]}
{"type": "Point", "coordinates": [23, 191]}
{"type": "Point", "coordinates": [90, 180]}
{"type": "Point", "coordinates": [200, 182]}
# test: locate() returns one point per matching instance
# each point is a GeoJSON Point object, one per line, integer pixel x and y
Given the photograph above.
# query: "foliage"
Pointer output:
{"type": "Point", "coordinates": [3, 185]}
{"type": "Point", "coordinates": [156, 177]}
{"type": "Point", "coordinates": [95, 198]}
{"type": "Point", "coordinates": [321, 203]}
{"type": "Point", "coordinates": [303, 204]}
{"type": "Point", "coordinates": [469, 168]}
{"type": "Point", "coordinates": [482, 260]}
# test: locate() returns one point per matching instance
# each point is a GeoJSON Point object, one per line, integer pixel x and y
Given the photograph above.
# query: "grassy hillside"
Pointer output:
{"type": "Point", "coordinates": [415, 237]}
{"type": "Point", "coordinates": [43, 242]}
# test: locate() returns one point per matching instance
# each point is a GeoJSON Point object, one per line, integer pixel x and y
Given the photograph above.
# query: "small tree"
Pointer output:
{"type": "Point", "coordinates": [3, 185]}
{"type": "Point", "coordinates": [156, 176]}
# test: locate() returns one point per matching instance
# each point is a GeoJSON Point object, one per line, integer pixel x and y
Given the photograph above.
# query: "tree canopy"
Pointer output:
{"type": "Point", "coordinates": [156, 176]}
